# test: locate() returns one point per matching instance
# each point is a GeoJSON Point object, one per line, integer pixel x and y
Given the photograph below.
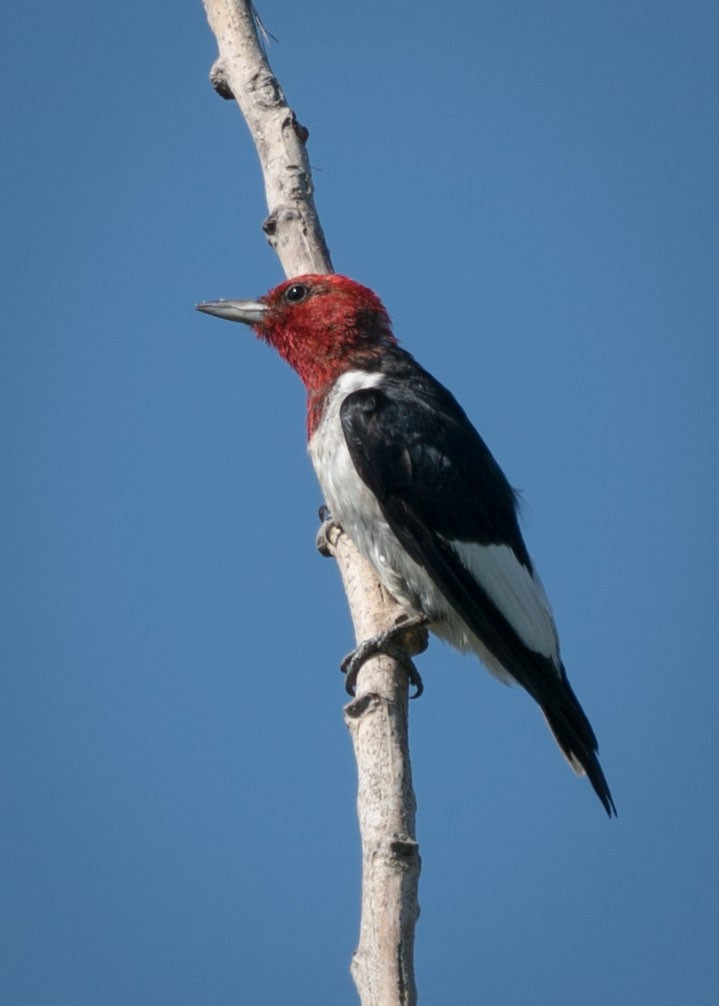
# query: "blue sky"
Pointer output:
{"type": "Point", "coordinates": [531, 188]}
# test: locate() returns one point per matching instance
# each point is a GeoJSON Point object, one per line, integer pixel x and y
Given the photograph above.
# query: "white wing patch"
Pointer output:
{"type": "Point", "coordinates": [516, 593]}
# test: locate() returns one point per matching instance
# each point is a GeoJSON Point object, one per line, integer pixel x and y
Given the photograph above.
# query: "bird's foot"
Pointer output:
{"type": "Point", "coordinates": [393, 643]}
{"type": "Point", "coordinates": [328, 533]}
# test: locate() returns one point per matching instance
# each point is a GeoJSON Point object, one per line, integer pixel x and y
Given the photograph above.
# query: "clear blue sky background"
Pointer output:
{"type": "Point", "coordinates": [532, 189]}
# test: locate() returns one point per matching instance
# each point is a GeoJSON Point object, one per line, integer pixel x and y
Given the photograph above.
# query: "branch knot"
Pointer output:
{"type": "Point", "coordinates": [266, 89]}
{"type": "Point", "coordinates": [366, 703]}
{"type": "Point", "coordinates": [220, 81]}
{"type": "Point", "coordinates": [401, 847]}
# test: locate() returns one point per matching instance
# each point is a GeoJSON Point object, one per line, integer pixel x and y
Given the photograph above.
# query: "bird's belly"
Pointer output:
{"type": "Point", "coordinates": [356, 510]}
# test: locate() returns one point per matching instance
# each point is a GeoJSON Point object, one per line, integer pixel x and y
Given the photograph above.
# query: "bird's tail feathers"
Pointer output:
{"type": "Point", "coordinates": [575, 737]}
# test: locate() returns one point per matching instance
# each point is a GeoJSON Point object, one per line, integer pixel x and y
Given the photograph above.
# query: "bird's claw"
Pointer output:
{"type": "Point", "coordinates": [387, 642]}
{"type": "Point", "coordinates": [325, 544]}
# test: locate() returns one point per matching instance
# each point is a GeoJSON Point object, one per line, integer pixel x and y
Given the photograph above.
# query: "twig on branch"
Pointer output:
{"type": "Point", "coordinates": [382, 965]}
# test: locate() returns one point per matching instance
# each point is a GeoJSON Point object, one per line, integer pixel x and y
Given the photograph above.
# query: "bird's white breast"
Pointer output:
{"type": "Point", "coordinates": [354, 506]}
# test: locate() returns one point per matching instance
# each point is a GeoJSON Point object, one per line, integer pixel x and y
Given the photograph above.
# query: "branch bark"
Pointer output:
{"type": "Point", "coordinates": [377, 718]}
{"type": "Point", "coordinates": [383, 964]}
{"type": "Point", "coordinates": [243, 72]}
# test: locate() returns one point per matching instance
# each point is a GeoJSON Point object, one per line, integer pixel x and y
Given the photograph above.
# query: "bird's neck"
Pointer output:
{"type": "Point", "coordinates": [325, 382]}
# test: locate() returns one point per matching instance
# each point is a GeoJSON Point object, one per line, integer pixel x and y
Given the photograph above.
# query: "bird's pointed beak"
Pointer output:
{"type": "Point", "coordinates": [251, 312]}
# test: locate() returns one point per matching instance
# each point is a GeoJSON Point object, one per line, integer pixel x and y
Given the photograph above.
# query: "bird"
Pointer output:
{"type": "Point", "coordinates": [408, 477]}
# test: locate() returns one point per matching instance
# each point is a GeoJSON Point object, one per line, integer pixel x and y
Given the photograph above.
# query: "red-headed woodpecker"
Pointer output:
{"type": "Point", "coordinates": [408, 477]}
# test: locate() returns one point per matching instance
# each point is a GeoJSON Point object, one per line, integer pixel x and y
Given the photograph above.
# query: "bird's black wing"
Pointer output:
{"type": "Point", "coordinates": [436, 482]}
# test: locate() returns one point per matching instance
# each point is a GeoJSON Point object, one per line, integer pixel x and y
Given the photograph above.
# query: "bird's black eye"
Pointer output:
{"type": "Point", "coordinates": [295, 293]}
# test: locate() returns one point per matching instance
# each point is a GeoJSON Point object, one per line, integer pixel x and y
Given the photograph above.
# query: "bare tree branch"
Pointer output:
{"type": "Point", "coordinates": [242, 70]}
{"type": "Point", "coordinates": [382, 965]}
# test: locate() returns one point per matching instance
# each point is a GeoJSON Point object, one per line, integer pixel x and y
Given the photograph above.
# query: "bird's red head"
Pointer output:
{"type": "Point", "coordinates": [323, 325]}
